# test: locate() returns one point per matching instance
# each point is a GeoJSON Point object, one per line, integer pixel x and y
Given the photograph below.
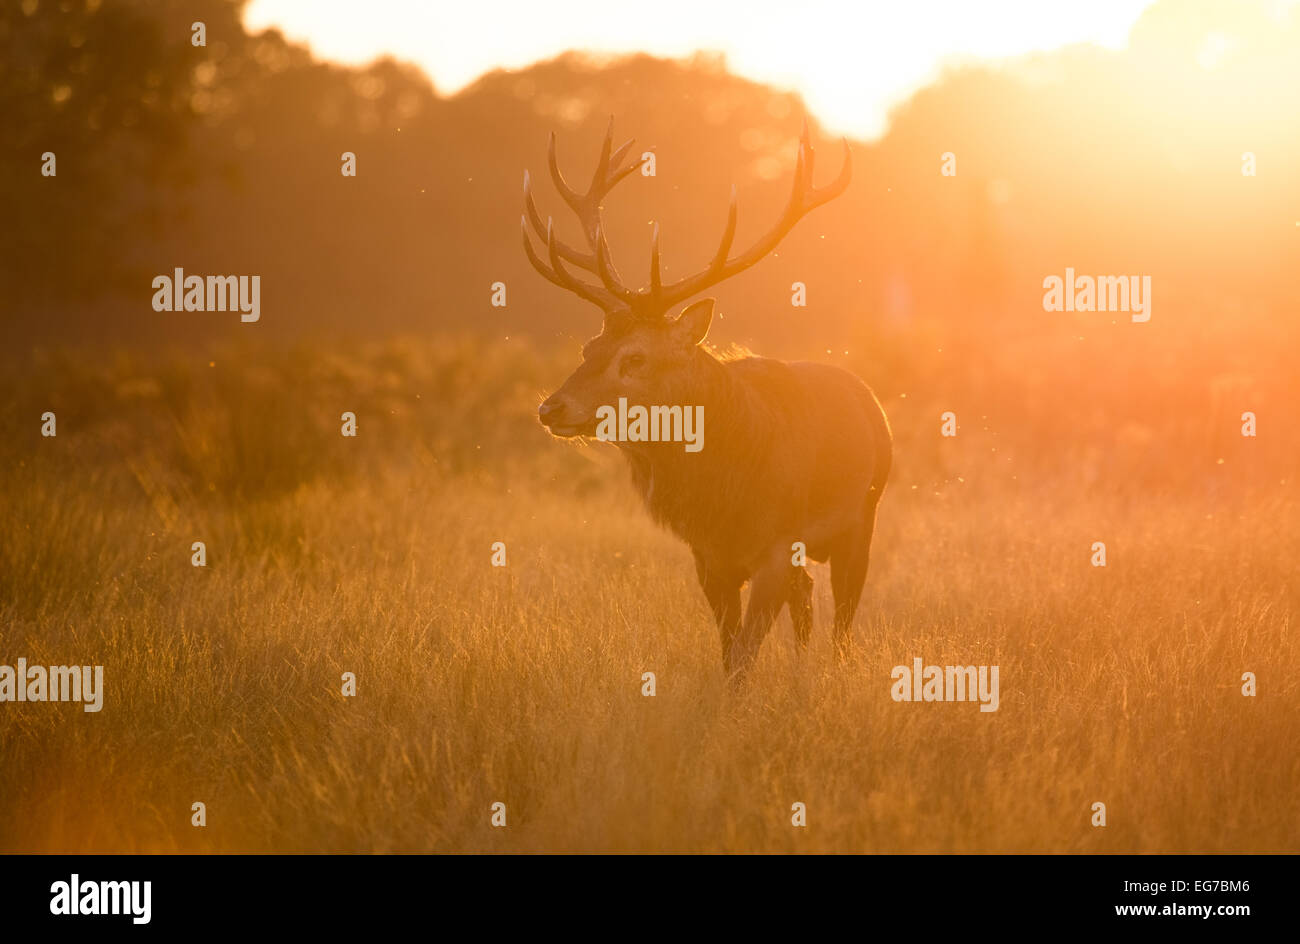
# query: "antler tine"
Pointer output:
{"type": "Point", "coordinates": [840, 184]}
{"type": "Point", "coordinates": [728, 234]}
{"type": "Point", "coordinates": [806, 150]}
{"type": "Point", "coordinates": [620, 175]}
{"type": "Point", "coordinates": [535, 259]}
{"type": "Point", "coordinates": [618, 155]}
{"type": "Point", "coordinates": [605, 269]}
{"type": "Point", "coordinates": [656, 280]}
{"type": "Point", "coordinates": [575, 285]}
{"type": "Point", "coordinates": [602, 164]}
{"type": "Point", "coordinates": [571, 196]}
{"type": "Point", "coordinates": [530, 208]}
{"type": "Point", "coordinates": [799, 186]}
{"type": "Point", "coordinates": [579, 258]}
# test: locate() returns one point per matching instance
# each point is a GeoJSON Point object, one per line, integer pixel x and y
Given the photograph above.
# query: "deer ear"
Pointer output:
{"type": "Point", "coordinates": [693, 323]}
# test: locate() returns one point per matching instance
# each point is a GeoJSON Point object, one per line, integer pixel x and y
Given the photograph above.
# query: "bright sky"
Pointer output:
{"type": "Point", "coordinates": [851, 59]}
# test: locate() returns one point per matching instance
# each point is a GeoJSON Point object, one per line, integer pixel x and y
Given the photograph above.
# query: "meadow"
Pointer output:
{"type": "Point", "coordinates": [523, 684]}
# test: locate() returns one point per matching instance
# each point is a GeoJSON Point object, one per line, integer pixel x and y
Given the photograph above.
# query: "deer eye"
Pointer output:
{"type": "Point", "coordinates": [631, 362]}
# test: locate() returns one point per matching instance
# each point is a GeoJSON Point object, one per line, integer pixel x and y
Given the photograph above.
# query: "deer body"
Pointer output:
{"type": "Point", "coordinates": [796, 453]}
{"type": "Point", "coordinates": [793, 449]}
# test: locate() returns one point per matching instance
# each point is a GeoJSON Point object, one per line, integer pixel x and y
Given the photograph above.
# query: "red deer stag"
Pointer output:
{"type": "Point", "coordinates": [796, 451]}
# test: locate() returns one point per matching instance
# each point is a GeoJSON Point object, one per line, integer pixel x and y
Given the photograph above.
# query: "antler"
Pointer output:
{"type": "Point", "coordinates": [611, 294]}
{"type": "Point", "coordinates": [804, 198]}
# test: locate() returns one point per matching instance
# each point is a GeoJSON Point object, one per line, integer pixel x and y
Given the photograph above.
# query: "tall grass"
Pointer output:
{"type": "Point", "coordinates": [522, 684]}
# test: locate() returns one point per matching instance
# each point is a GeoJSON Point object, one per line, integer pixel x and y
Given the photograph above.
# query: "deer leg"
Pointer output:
{"type": "Point", "coordinates": [768, 590]}
{"type": "Point", "coordinates": [849, 574]}
{"type": "Point", "coordinates": [800, 600]}
{"type": "Point", "coordinates": [723, 593]}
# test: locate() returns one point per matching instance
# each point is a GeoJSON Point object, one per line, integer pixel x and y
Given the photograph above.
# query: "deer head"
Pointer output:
{"type": "Point", "coordinates": [641, 353]}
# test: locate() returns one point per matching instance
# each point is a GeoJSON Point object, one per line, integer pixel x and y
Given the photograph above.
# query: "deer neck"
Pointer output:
{"type": "Point", "coordinates": [673, 481]}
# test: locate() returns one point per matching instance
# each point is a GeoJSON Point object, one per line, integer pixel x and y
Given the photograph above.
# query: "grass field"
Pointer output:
{"type": "Point", "coordinates": [522, 684]}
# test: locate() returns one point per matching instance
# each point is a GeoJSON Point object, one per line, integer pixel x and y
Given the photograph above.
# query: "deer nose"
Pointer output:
{"type": "Point", "coordinates": [550, 411]}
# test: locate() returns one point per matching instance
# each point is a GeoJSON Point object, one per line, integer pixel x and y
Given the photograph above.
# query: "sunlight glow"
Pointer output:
{"type": "Point", "coordinates": [851, 61]}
